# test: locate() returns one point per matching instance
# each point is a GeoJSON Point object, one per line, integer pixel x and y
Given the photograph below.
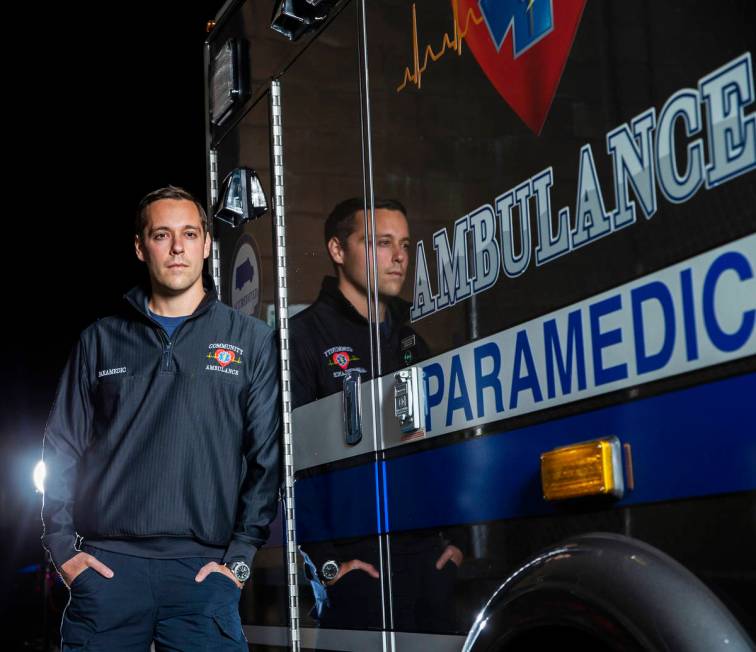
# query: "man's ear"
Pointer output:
{"type": "Point", "coordinates": [208, 244]}
{"type": "Point", "coordinates": [336, 251]}
{"type": "Point", "coordinates": [138, 247]}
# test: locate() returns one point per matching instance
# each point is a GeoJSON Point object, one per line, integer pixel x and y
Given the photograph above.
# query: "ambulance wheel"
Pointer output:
{"type": "Point", "coordinates": [605, 592]}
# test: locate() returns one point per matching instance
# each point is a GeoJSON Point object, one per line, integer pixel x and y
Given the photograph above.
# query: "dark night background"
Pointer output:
{"type": "Point", "coordinates": [108, 106]}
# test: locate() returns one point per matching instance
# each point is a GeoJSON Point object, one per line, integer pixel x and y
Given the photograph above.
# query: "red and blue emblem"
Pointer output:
{"type": "Point", "coordinates": [342, 359]}
{"type": "Point", "coordinates": [224, 357]}
{"type": "Point", "coordinates": [522, 47]}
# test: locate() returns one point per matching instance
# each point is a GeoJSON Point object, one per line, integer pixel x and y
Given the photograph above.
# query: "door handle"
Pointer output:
{"type": "Point", "coordinates": [352, 407]}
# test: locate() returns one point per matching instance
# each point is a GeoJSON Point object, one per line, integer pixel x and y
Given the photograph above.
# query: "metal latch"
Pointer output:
{"type": "Point", "coordinates": [352, 407]}
{"type": "Point", "coordinates": [409, 399]}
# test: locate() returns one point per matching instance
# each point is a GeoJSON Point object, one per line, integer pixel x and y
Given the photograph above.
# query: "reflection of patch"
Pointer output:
{"type": "Point", "coordinates": [224, 355]}
{"type": "Point", "coordinates": [408, 342]}
{"type": "Point", "coordinates": [341, 358]}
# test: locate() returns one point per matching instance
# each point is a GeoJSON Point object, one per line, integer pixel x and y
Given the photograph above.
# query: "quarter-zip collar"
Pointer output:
{"type": "Point", "coordinates": [138, 296]}
{"type": "Point", "coordinates": [137, 299]}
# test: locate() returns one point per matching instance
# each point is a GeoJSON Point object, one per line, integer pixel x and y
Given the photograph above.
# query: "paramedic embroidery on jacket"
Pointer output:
{"type": "Point", "coordinates": [224, 357]}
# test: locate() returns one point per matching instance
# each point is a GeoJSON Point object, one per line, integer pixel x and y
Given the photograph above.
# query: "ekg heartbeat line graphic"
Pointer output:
{"type": "Point", "coordinates": [448, 43]}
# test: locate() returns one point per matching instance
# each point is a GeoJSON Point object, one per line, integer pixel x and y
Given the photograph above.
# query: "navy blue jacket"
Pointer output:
{"type": "Point", "coordinates": [152, 437]}
{"type": "Point", "coordinates": [330, 336]}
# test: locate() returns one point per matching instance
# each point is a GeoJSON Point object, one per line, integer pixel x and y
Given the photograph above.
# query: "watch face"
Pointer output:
{"type": "Point", "coordinates": [240, 570]}
{"type": "Point", "coordinates": [329, 570]}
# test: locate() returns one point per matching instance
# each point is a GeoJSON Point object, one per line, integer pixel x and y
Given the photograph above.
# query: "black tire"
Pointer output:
{"type": "Point", "coordinates": [605, 592]}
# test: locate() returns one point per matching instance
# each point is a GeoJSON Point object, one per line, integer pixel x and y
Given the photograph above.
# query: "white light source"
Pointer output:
{"type": "Point", "coordinates": [40, 471]}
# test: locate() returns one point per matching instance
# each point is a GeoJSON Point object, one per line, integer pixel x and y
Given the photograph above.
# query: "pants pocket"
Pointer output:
{"type": "Point", "coordinates": [229, 623]}
{"type": "Point", "coordinates": [74, 633]}
{"type": "Point", "coordinates": [81, 577]}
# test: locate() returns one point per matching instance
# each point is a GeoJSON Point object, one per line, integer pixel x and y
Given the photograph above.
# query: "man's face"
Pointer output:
{"type": "Point", "coordinates": [173, 245]}
{"type": "Point", "coordinates": [392, 253]}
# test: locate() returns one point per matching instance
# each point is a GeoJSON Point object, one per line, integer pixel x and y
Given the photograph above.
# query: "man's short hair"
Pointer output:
{"type": "Point", "coordinates": [340, 222]}
{"type": "Point", "coordinates": [169, 192]}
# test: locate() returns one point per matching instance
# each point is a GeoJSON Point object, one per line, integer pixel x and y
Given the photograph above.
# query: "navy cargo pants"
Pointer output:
{"type": "Point", "coordinates": [152, 600]}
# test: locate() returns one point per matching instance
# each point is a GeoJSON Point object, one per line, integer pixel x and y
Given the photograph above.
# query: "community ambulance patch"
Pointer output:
{"type": "Point", "coordinates": [224, 357]}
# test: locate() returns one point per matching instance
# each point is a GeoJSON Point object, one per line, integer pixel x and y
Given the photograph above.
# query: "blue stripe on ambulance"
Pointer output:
{"type": "Point", "coordinates": [693, 442]}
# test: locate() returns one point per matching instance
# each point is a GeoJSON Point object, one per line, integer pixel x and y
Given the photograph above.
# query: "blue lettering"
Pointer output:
{"type": "Point", "coordinates": [657, 291]}
{"type": "Point", "coordinates": [530, 379]}
{"type": "Point", "coordinates": [433, 370]}
{"type": "Point", "coordinates": [726, 341]}
{"type": "Point", "coordinates": [461, 402]}
{"type": "Point", "coordinates": [554, 353]}
{"type": "Point", "coordinates": [491, 379]}
{"type": "Point", "coordinates": [600, 341]}
{"type": "Point", "coordinates": [689, 316]}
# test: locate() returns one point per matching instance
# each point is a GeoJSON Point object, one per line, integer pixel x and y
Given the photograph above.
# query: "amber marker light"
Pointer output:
{"type": "Point", "coordinates": [590, 468]}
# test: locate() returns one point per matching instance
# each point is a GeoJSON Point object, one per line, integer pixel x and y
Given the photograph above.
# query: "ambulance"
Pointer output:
{"type": "Point", "coordinates": [579, 178]}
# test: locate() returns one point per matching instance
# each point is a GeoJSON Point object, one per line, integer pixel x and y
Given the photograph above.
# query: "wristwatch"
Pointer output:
{"type": "Point", "coordinates": [240, 569]}
{"type": "Point", "coordinates": [329, 570]}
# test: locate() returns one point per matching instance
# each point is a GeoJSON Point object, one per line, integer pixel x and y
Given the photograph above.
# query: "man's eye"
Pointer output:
{"type": "Point", "coordinates": [384, 243]}
{"type": "Point", "coordinates": [159, 236]}
{"type": "Point", "coordinates": [191, 234]}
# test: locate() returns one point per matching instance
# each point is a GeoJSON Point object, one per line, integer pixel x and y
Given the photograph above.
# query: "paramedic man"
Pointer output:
{"type": "Point", "coordinates": [162, 453]}
{"type": "Point", "coordinates": [334, 334]}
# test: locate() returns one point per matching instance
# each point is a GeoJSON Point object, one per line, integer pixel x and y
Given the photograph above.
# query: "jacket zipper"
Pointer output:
{"type": "Point", "coordinates": [167, 348]}
{"type": "Point", "coordinates": [168, 342]}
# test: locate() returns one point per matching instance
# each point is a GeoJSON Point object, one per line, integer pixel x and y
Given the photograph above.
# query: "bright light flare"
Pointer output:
{"type": "Point", "coordinates": [40, 471]}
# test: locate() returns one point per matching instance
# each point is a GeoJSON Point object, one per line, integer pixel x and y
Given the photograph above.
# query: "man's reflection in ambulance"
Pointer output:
{"type": "Point", "coordinates": [331, 336]}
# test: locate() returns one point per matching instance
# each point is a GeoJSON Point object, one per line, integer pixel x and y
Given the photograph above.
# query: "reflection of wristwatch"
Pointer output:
{"type": "Point", "coordinates": [329, 570]}
{"type": "Point", "coordinates": [240, 569]}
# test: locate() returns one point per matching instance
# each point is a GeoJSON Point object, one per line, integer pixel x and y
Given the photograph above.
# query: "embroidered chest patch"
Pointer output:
{"type": "Point", "coordinates": [224, 358]}
{"type": "Point", "coordinates": [341, 357]}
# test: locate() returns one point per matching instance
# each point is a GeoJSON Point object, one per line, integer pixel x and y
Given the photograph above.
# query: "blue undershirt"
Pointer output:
{"type": "Point", "coordinates": [169, 324]}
